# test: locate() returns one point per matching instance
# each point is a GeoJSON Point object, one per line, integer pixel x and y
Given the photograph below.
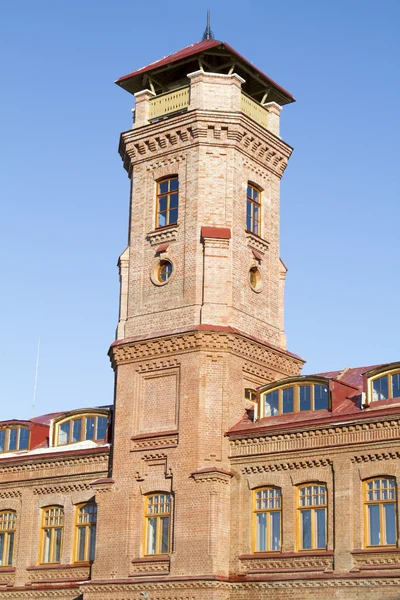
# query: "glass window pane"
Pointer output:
{"type": "Point", "coordinates": [2, 548]}
{"type": "Point", "coordinates": [271, 404]}
{"type": "Point", "coordinates": [248, 222]}
{"type": "Point", "coordinates": [287, 400]}
{"type": "Point", "coordinates": [173, 216]}
{"type": "Point", "coordinates": [162, 220]}
{"type": "Point", "coordinates": [321, 397]}
{"type": "Point", "coordinates": [101, 428]}
{"type": "Point", "coordinates": [396, 385]}
{"type": "Point", "coordinates": [173, 184]}
{"type": "Point", "coordinates": [305, 397]}
{"type": "Point", "coordinates": [390, 523]}
{"type": "Point", "coordinates": [306, 529]}
{"type": "Point", "coordinates": [173, 201]}
{"type": "Point", "coordinates": [162, 203]}
{"type": "Point", "coordinates": [163, 187]}
{"type": "Point", "coordinates": [76, 430]}
{"type": "Point", "coordinates": [255, 195]}
{"type": "Point", "coordinates": [164, 535]}
{"type": "Point", "coordinates": [380, 388]}
{"type": "Point", "coordinates": [89, 428]}
{"type": "Point", "coordinates": [249, 191]}
{"type": "Point", "coordinates": [320, 526]}
{"type": "Point", "coordinates": [81, 543]}
{"type": "Point", "coordinates": [46, 546]}
{"type": "Point", "coordinates": [63, 433]}
{"type": "Point", "coordinates": [23, 438]}
{"type": "Point", "coordinates": [92, 542]}
{"type": "Point", "coordinates": [12, 440]}
{"type": "Point", "coordinates": [10, 548]}
{"type": "Point", "coordinates": [276, 530]}
{"type": "Point", "coordinates": [58, 537]}
{"type": "Point", "coordinates": [2, 440]}
{"type": "Point", "coordinates": [373, 525]}
{"type": "Point", "coordinates": [261, 532]}
{"type": "Point", "coordinates": [151, 535]}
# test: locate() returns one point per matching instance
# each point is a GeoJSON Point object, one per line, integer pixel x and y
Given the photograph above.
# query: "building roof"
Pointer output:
{"type": "Point", "coordinates": [215, 56]}
{"type": "Point", "coordinates": [350, 375]}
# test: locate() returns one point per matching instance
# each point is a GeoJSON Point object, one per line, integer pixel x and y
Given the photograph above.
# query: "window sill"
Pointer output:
{"type": "Point", "coordinates": [58, 573]}
{"type": "Point", "coordinates": [276, 554]}
{"type": "Point", "coordinates": [7, 569]}
{"type": "Point", "coordinates": [381, 549]}
{"type": "Point", "coordinates": [52, 566]}
{"type": "Point", "coordinates": [159, 440]}
{"type": "Point", "coordinates": [156, 564]}
{"type": "Point", "coordinates": [256, 242]}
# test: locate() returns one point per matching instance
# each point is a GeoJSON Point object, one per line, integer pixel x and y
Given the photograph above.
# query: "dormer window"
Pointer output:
{"type": "Point", "coordinates": [297, 397]}
{"type": "Point", "coordinates": [383, 387]}
{"type": "Point", "coordinates": [14, 439]}
{"type": "Point", "coordinates": [81, 427]}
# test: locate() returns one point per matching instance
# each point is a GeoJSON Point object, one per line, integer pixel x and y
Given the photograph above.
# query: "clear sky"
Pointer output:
{"type": "Point", "coordinates": [64, 193]}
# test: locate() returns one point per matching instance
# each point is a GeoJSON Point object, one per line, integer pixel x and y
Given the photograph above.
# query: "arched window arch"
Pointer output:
{"type": "Point", "coordinates": [167, 202]}
{"type": "Point", "coordinates": [85, 532]}
{"type": "Point", "coordinates": [312, 505]}
{"type": "Point", "coordinates": [380, 508]}
{"type": "Point", "coordinates": [158, 512]}
{"type": "Point", "coordinates": [253, 209]}
{"type": "Point", "coordinates": [8, 522]}
{"type": "Point", "coordinates": [81, 426]}
{"type": "Point", "coordinates": [51, 534]}
{"type": "Point", "coordinates": [267, 521]}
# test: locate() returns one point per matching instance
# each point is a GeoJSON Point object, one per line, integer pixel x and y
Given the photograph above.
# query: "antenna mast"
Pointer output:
{"type": "Point", "coordinates": [36, 378]}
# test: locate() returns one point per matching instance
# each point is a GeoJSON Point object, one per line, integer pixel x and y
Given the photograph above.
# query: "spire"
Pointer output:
{"type": "Point", "coordinates": [208, 34]}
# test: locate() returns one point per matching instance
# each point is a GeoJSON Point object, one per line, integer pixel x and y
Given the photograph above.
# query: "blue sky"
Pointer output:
{"type": "Point", "coordinates": [64, 194]}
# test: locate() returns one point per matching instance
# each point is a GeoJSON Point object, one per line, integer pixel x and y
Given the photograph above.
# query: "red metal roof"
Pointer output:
{"type": "Point", "coordinates": [197, 48]}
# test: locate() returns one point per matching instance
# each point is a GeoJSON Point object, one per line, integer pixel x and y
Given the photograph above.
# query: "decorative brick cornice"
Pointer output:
{"type": "Point", "coordinates": [212, 475]}
{"type": "Point", "coordinates": [337, 434]}
{"type": "Point", "coordinates": [228, 340]}
{"type": "Point", "coordinates": [150, 566]}
{"type": "Point", "coordinates": [67, 488]}
{"type": "Point", "coordinates": [5, 494]}
{"type": "Point", "coordinates": [163, 140]}
{"type": "Point", "coordinates": [156, 441]}
{"type": "Point", "coordinates": [379, 456]}
{"type": "Point", "coordinates": [287, 466]}
{"type": "Point", "coordinates": [287, 562]}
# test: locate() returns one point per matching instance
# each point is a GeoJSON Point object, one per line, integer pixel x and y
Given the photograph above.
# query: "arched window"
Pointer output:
{"type": "Point", "coordinates": [13, 439]}
{"type": "Point", "coordinates": [383, 387]}
{"type": "Point", "coordinates": [250, 394]}
{"type": "Point", "coordinates": [253, 209]}
{"type": "Point", "coordinates": [167, 202]}
{"type": "Point", "coordinates": [81, 427]}
{"type": "Point", "coordinates": [267, 519]}
{"type": "Point", "coordinates": [312, 503]}
{"type": "Point", "coordinates": [8, 520]}
{"type": "Point", "coordinates": [157, 523]}
{"type": "Point", "coordinates": [380, 512]}
{"type": "Point", "coordinates": [52, 534]}
{"type": "Point", "coordinates": [85, 532]}
{"type": "Point", "coordinates": [295, 397]}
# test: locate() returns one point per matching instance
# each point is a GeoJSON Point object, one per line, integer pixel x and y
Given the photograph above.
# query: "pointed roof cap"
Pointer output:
{"type": "Point", "coordinates": [212, 55]}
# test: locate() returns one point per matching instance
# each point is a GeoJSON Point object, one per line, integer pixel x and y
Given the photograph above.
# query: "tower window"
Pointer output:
{"type": "Point", "coordinates": [380, 512]}
{"type": "Point", "coordinates": [255, 279]}
{"type": "Point", "coordinates": [167, 202]}
{"type": "Point", "coordinates": [164, 271]}
{"type": "Point", "coordinates": [253, 210]}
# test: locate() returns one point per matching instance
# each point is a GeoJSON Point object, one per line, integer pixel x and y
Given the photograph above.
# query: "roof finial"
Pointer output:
{"type": "Point", "coordinates": [208, 34]}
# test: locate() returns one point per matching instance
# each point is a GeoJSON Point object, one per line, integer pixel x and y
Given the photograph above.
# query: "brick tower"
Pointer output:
{"type": "Point", "coordinates": [201, 311]}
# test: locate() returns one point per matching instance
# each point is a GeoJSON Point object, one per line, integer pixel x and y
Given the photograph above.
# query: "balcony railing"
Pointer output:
{"type": "Point", "coordinates": [171, 102]}
{"type": "Point", "coordinates": [254, 110]}
{"type": "Point", "coordinates": [178, 100]}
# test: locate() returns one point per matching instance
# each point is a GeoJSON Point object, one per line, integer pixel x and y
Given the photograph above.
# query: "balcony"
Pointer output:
{"type": "Point", "coordinates": [207, 91]}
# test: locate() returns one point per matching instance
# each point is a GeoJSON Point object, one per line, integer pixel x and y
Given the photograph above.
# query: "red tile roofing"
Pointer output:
{"type": "Point", "coordinates": [197, 48]}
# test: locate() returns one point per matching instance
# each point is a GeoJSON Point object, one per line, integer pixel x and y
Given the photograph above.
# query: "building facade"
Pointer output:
{"type": "Point", "coordinates": [220, 473]}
